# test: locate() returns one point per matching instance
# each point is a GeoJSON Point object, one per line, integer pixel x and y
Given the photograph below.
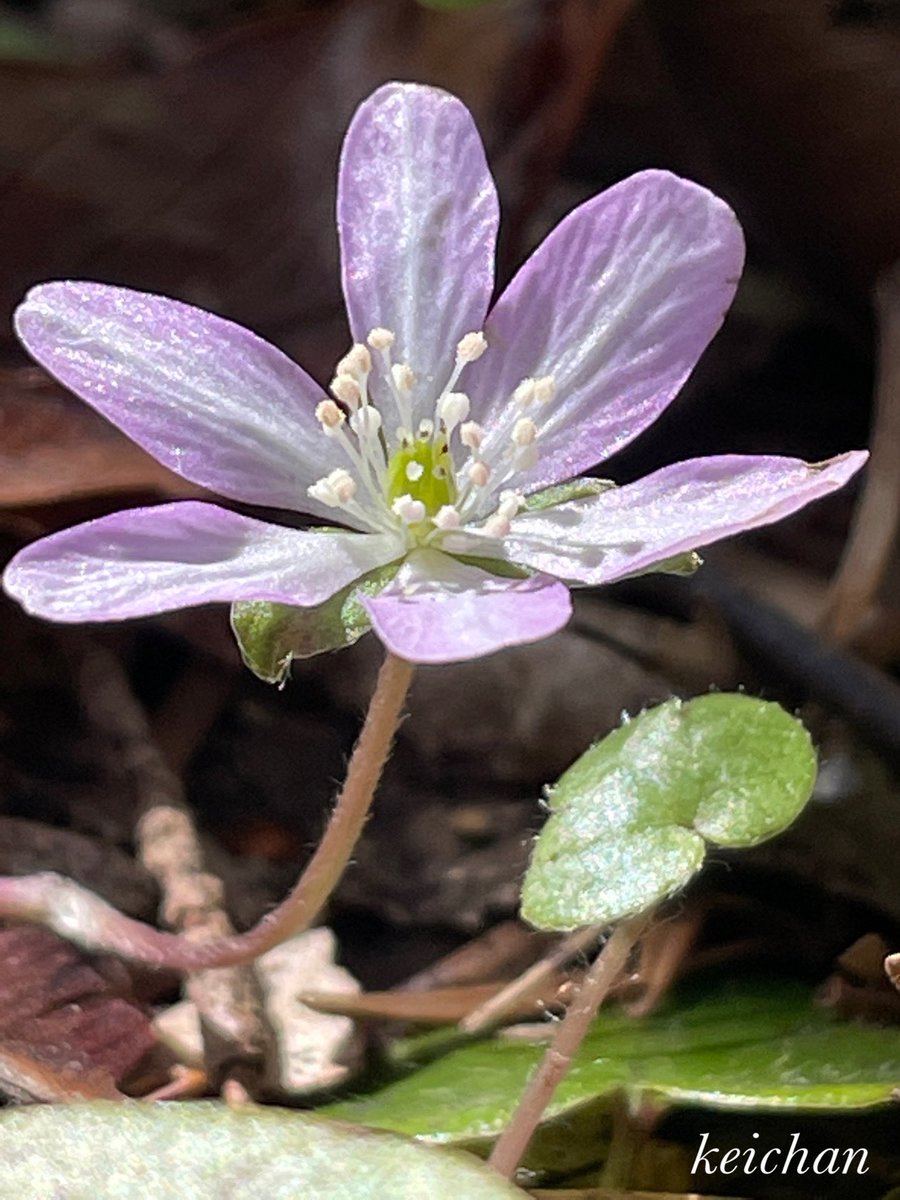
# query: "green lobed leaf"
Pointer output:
{"type": "Point", "coordinates": [629, 821]}
{"type": "Point", "coordinates": [206, 1151]}
{"type": "Point", "coordinates": [271, 635]}
{"type": "Point", "coordinates": [755, 1047]}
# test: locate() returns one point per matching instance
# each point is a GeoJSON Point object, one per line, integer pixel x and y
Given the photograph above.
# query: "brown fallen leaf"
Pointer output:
{"type": "Point", "coordinates": [27, 1080]}
{"type": "Point", "coordinates": [54, 447]}
{"type": "Point", "coordinates": [65, 1033]}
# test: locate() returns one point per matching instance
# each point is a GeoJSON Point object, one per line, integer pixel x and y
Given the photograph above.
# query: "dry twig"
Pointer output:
{"type": "Point", "coordinates": [228, 999]}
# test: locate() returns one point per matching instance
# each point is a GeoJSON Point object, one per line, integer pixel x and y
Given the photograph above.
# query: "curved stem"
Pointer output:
{"type": "Point", "coordinates": [513, 1142]}
{"type": "Point", "coordinates": [79, 915]}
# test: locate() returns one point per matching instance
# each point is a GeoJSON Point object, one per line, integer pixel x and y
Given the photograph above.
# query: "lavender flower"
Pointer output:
{"type": "Point", "coordinates": [447, 432]}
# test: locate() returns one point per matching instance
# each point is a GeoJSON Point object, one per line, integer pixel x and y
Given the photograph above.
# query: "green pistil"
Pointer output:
{"type": "Point", "coordinates": [436, 486]}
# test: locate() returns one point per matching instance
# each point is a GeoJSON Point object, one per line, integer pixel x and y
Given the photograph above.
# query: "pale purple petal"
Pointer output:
{"type": "Point", "coordinates": [617, 304]}
{"type": "Point", "coordinates": [204, 396]}
{"type": "Point", "coordinates": [417, 217]}
{"type": "Point", "coordinates": [151, 560]}
{"type": "Point", "coordinates": [439, 610]}
{"type": "Point", "coordinates": [680, 508]}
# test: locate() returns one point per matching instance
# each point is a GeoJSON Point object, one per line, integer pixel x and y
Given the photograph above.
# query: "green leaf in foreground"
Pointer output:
{"type": "Point", "coordinates": [205, 1151]}
{"type": "Point", "coordinates": [754, 1047]}
{"type": "Point", "coordinates": [630, 820]}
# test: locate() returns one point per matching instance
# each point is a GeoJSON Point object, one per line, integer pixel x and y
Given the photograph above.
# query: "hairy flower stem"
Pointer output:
{"type": "Point", "coordinates": [77, 914]}
{"type": "Point", "coordinates": [570, 1033]}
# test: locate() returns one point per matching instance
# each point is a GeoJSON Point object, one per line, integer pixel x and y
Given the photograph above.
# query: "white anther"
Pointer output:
{"type": "Point", "coordinates": [471, 347]}
{"type": "Point", "coordinates": [410, 511]}
{"type": "Point", "coordinates": [453, 408]}
{"type": "Point", "coordinates": [426, 429]}
{"type": "Point", "coordinates": [329, 416]}
{"type": "Point", "coordinates": [496, 526]}
{"type": "Point", "coordinates": [479, 473]}
{"type": "Point", "coordinates": [346, 389]}
{"type": "Point", "coordinates": [471, 434]}
{"type": "Point", "coordinates": [335, 489]}
{"type": "Point", "coordinates": [366, 422]}
{"type": "Point", "coordinates": [402, 435]}
{"type": "Point", "coordinates": [524, 393]}
{"type": "Point", "coordinates": [344, 485]}
{"type": "Point", "coordinates": [524, 432]}
{"type": "Point", "coordinates": [357, 361]}
{"type": "Point", "coordinates": [403, 378]}
{"type": "Point", "coordinates": [414, 471]}
{"type": "Point", "coordinates": [447, 517]}
{"type": "Point", "coordinates": [544, 389]}
{"type": "Point", "coordinates": [511, 503]}
{"type": "Point", "coordinates": [381, 339]}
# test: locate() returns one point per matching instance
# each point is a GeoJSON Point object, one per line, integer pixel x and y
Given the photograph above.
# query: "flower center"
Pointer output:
{"type": "Point", "coordinates": [422, 469]}
{"type": "Point", "coordinates": [407, 476]}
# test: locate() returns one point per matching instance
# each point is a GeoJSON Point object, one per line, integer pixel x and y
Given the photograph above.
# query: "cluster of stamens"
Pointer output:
{"type": "Point", "coordinates": [409, 475]}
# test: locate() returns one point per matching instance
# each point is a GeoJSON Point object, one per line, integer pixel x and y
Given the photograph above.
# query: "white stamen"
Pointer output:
{"type": "Point", "coordinates": [403, 378]}
{"type": "Point", "coordinates": [447, 517]}
{"type": "Point", "coordinates": [460, 543]}
{"type": "Point", "coordinates": [453, 408]}
{"type": "Point", "coordinates": [524, 394]}
{"type": "Point", "coordinates": [410, 511]}
{"type": "Point", "coordinates": [544, 389]}
{"type": "Point", "coordinates": [346, 389]}
{"type": "Point", "coordinates": [357, 361]}
{"type": "Point", "coordinates": [414, 471]}
{"type": "Point", "coordinates": [479, 473]}
{"type": "Point", "coordinates": [511, 503]}
{"type": "Point", "coordinates": [366, 423]}
{"type": "Point", "coordinates": [426, 429]}
{"type": "Point", "coordinates": [496, 526]}
{"type": "Point", "coordinates": [381, 339]}
{"type": "Point", "coordinates": [471, 347]}
{"type": "Point", "coordinates": [524, 432]}
{"type": "Point", "coordinates": [329, 417]}
{"type": "Point", "coordinates": [335, 489]}
{"type": "Point", "coordinates": [471, 434]}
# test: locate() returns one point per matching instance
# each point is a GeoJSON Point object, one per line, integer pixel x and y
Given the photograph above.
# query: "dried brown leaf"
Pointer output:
{"type": "Point", "coordinates": [64, 1030]}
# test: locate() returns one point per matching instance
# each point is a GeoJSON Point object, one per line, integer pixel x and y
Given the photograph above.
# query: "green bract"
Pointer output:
{"type": "Point", "coordinates": [271, 635]}
{"type": "Point", "coordinates": [560, 493]}
{"type": "Point", "coordinates": [631, 818]}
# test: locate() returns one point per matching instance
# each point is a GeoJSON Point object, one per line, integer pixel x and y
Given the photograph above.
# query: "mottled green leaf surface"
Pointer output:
{"type": "Point", "coordinates": [630, 819]}
{"type": "Point", "coordinates": [205, 1151]}
{"type": "Point", "coordinates": [754, 1047]}
{"type": "Point", "coordinates": [271, 635]}
{"type": "Point", "coordinates": [560, 493]}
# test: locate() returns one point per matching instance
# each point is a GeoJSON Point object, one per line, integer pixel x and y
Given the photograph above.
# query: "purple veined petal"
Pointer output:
{"type": "Point", "coordinates": [680, 508]}
{"type": "Point", "coordinates": [203, 395]}
{"type": "Point", "coordinates": [417, 217]}
{"type": "Point", "coordinates": [439, 610]}
{"type": "Point", "coordinates": [617, 304]}
{"type": "Point", "coordinates": [152, 560]}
